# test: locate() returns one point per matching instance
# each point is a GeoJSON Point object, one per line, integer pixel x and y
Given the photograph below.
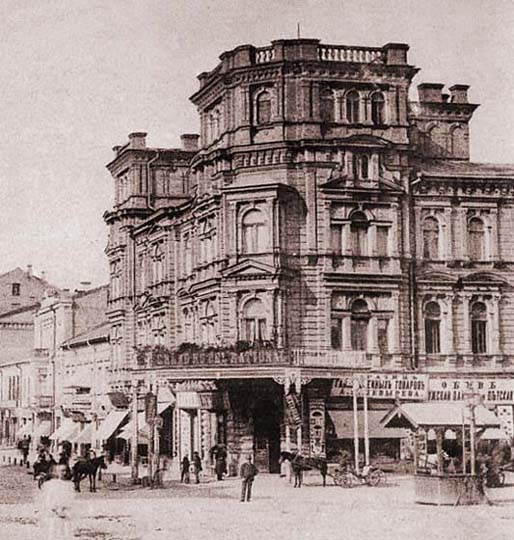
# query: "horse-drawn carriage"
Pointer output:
{"type": "Point", "coordinates": [343, 474]}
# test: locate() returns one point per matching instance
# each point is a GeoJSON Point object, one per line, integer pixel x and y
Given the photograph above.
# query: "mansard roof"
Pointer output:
{"type": "Point", "coordinates": [448, 168]}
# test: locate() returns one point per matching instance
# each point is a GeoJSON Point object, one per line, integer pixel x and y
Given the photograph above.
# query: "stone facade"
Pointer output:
{"type": "Point", "coordinates": [320, 226]}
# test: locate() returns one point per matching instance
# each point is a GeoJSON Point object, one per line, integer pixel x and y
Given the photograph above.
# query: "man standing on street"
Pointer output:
{"type": "Point", "coordinates": [197, 466]}
{"type": "Point", "coordinates": [248, 473]}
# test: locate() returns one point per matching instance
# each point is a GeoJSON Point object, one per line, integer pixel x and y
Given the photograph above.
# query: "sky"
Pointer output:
{"type": "Point", "coordinates": [76, 76]}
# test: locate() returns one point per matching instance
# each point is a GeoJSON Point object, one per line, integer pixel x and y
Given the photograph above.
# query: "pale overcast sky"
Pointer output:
{"type": "Point", "coordinates": [78, 75]}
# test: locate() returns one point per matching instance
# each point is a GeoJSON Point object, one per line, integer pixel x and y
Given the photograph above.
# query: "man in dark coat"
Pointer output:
{"type": "Point", "coordinates": [197, 466]}
{"type": "Point", "coordinates": [248, 473]}
{"type": "Point", "coordinates": [184, 475]}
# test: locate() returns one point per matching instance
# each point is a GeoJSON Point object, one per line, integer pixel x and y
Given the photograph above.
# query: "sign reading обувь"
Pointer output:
{"type": "Point", "coordinates": [493, 390]}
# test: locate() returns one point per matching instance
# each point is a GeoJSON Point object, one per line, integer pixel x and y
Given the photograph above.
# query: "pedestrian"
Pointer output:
{"type": "Point", "coordinates": [323, 469]}
{"type": "Point", "coordinates": [184, 475]}
{"type": "Point", "coordinates": [220, 467]}
{"type": "Point", "coordinates": [25, 446]}
{"type": "Point", "coordinates": [56, 500]}
{"type": "Point", "coordinates": [297, 470]}
{"type": "Point", "coordinates": [197, 467]}
{"type": "Point", "coordinates": [248, 473]}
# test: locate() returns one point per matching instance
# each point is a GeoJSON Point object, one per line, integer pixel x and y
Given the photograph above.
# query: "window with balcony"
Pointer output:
{"type": "Point", "coordinates": [479, 328]}
{"type": "Point", "coordinates": [159, 328]}
{"type": "Point", "coordinates": [327, 106]}
{"type": "Point", "coordinates": [432, 328]}
{"type": "Point", "coordinates": [254, 321]}
{"type": "Point", "coordinates": [263, 107]}
{"type": "Point", "coordinates": [187, 253]}
{"type": "Point", "coordinates": [254, 232]}
{"type": "Point", "coordinates": [115, 271]}
{"type": "Point", "coordinates": [476, 233]}
{"type": "Point", "coordinates": [359, 232]}
{"type": "Point", "coordinates": [360, 318]}
{"type": "Point", "coordinates": [378, 108]}
{"type": "Point", "coordinates": [352, 107]}
{"type": "Point", "coordinates": [208, 324]}
{"type": "Point", "coordinates": [431, 238]}
{"type": "Point", "coordinates": [360, 166]}
{"type": "Point", "coordinates": [157, 264]}
{"type": "Point", "coordinates": [207, 239]}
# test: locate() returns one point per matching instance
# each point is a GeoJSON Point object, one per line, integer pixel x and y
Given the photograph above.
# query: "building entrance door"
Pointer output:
{"type": "Point", "coordinates": [267, 436]}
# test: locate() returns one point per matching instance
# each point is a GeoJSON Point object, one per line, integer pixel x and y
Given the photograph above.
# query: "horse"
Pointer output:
{"type": "Point", "coordinates": [87, 467]}
{"type": "Point", "coordinates": [300, 463]}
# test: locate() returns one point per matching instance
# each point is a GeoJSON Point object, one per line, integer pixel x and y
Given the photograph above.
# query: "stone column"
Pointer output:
{"type": "Point", "coordinates": [466, 330]}
{"type": "Point", "coordinates": [347, 335]}
{"type": "Point", "coordinates": [494, 317]}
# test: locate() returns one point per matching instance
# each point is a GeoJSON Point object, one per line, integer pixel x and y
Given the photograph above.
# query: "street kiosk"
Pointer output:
{"type": "Point", "coordinates": [447, 470]}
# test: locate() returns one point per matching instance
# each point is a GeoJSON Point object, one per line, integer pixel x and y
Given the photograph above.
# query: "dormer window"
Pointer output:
{"type": "Point", "coordinates": [15, 289]}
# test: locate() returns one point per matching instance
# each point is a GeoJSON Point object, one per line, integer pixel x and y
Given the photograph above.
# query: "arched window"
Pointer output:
{"type": "Point", "coordinates": [479, 328]}
{"type": "Point", "coordinates": [359, 231]}
{"type": "Point", "coordinates": [327, 106]}
{"type": "Point", "coordinates": [431, 238]}
{"type": "Point", "coordinates": [187, 325]}
{"type": "Point", "coordinates": [432, 328]}
{"type": "Point", "coordinates": [359, 325]}
{"type": "Point", "coordinates": [209, 325]}
{"type": "Point", "coordinates": [263, 108]}
{"type": "Point", "coordinates": [254, 232]}
{"type": "Point", "coordinates": [254, 323]}
{"type": "Point", "coordinates": [378, 108]}
{"type": "Point", "coordinates": [457, 142]}
{"type": "Point", "coordinates": [476, 239]}
{"type": "Point", "coordinates": [187, 254]}
{"type": "Point", "coordinates": [352, 107]}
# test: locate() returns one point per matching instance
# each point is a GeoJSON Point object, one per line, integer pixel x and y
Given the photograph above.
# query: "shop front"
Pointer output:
{"type": "Point", "coordinates": [356, 407]}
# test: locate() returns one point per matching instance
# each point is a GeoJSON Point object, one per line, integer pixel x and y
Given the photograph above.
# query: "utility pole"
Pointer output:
{"type": "Point", "coordinates": [355, 425]}
{"type": "Point", "coordinates": [366, 426]}
{"type": "Point", "coordinates": [134, 457]}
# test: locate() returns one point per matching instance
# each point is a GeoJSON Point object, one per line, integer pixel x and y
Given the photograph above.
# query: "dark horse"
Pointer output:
{"type": "Point", "coordinates": [300, 463]}
{"type": "Point", "coordinates": [87, 467]}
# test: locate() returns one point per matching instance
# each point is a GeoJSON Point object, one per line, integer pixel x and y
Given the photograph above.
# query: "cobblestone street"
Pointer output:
{"type": "Point", "coordinates": [278, 511]}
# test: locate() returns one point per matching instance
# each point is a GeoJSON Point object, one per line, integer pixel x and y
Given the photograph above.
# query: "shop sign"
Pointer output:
{"type": "Point", "coordinates": [317, 426]}
{"type": "Point", "coordinates": [506, 417]}
{"type": "Point", "coordinates": [293, 407]}
{"type": "Point", "coordinates": [493, 391]}
{"type": "Point", "coordinates": [209, 400]}
{"type": "Point", "coordinates": [406, 386]}
{"type": "Point", "coordinates": [188, 400]}
{"type": "Point", "coordinates": [150, 407]}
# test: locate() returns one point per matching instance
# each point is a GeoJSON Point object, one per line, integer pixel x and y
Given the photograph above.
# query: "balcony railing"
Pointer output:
{"type": "Point", "coordinates": [162, 357]}
{"type": "Point", "coordinates": [264, 55]}
{"type": "Point", "coordinates": [343, 53]}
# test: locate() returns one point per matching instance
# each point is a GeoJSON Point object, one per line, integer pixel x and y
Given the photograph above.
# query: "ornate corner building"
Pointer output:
{"type": "Point", "coordinates": [320, 227]}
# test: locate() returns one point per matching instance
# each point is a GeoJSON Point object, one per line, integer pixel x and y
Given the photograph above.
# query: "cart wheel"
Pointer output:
{"type": "Point", "coordinates": [346, 481]}
{"type": "Point", "coordinates": [338, 479]}
{"type": "Point", "coordinates": [376, 477]}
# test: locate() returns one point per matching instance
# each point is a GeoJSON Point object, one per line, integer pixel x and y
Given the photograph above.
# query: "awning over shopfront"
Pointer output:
{"type": "Point", "coordinates": [66, 431]}
{"type": "Point", "coordinates": [110, 424]}
{"type": "Point", "coordinates": [43, 430]}
{"type": "Point", "coordinates": [344, 425]}
{"type": "Point", "coordinates": [441, 413]}
{"type": "Point", "coordinates": [494, 434]}
{"type": "Point", "coordinates": [83, 436]}
{"type": "Point", "coordinates": [143, 430]}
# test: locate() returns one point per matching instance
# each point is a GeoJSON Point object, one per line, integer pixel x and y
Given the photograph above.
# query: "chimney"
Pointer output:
{"type": "Point", "coordinates": [29, 270]}
{"type": "Point", "coordinates": [137, 141]}
{"type": "Point", "coordinates": [459, 93]}
{"type": "Point", "coordinates": [85, 285]}
{"type": "Point", "coordinates": [430, 92]}
{"type": "Point", "coordinates": [396, 53]}
{"type": "Point", "coordinates": [190, 142]}
{"type": "Point", "coordinates": [43, 275]}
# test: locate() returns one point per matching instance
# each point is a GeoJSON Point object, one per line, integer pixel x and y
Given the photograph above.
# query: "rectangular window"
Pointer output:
{"type": "Point", "coordinates": [359, 334]}
{"type": "Point", "coordinates": [336, 337]}
{"type": "Point", "coordinates": [336, 239]}
{"type": "Point", "coordinates": [478, 337]}
{"type": "Point", "coordinates": [382, 241]}
{"type": "Point", "coordinates": [433, 345]}
{"type": "Point", "coordinates": [383, 342]}
{"type": "Point", "coordinates": [16, 289]}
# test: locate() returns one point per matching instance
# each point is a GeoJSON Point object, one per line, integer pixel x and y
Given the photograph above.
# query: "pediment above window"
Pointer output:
{"type": "Point", "coordinates": [249, 268]}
